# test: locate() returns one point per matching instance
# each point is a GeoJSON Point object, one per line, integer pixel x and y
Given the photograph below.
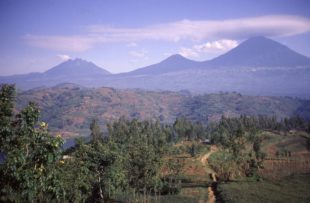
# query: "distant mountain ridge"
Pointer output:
{"type": "Point", "coordinates": [254, 52]}
{"type": "Point", "coordinates": [258, 66]}
{"type": "Point", "coordinates": [172, 63]}
{"type": "Point", "coordinates": [258, 52]}
{"type": "Point", "coordinates": [78, 68]}
{"type": "Point", "coordinates": [77, 71]}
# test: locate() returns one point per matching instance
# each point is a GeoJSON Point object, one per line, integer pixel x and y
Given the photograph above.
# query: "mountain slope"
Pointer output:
{"type": "Point", "coordinates": [72, 71]}
{"type": "Point", "coordinates": [76, 68]}
{"type": "Point", "coordinates": [70, 108]}
{"type": "Point", "coordinates": [260, 51]}
{"type": "Point", "coordinates": [171, 64]}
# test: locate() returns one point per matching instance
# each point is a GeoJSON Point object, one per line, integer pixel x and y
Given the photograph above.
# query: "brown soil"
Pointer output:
{"type": "Point", "coordinates": [204, 161]}
{"type": "Point", "coordinates": [204, 158]}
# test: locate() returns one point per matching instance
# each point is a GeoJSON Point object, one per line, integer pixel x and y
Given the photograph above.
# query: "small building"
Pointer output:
{"type": "Point", "coordinates": [206, 141]}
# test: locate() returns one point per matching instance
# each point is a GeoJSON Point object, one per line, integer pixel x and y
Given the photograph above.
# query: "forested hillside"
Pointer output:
{"type": "Point", "coordinates": [69, 108]}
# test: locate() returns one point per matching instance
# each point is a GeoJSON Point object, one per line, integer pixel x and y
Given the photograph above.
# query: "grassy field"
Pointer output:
{"type": "Point", "coordinates": [289, 189]}
{"type": "Point", "coordinates": [275, 145]}
{"type": "Point", "coordinates": [287, 154]}
{"type": "Point", "coordinates": [187, 195]}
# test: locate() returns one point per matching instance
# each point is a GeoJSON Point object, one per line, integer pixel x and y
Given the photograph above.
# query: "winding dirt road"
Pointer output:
{"type": "Point", "coordinates": [204, 161]}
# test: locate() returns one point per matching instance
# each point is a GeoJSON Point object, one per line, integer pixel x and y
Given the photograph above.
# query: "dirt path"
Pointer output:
{"type": "Point", "coordinates": [211, 196]}
{"type": "Point", "coordinates": [204, 158]}
{"type": "Point", "coordinates": [204, 161]}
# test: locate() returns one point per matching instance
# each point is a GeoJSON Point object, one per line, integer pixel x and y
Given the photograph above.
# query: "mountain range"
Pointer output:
{"type": "Point", "coordinates": [261, 52]}
{"type": "Point", "coordinates": [258, 66]}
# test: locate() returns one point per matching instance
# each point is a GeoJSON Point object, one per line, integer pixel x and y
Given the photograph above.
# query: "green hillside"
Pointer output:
{"type": "Point", "coordinates": [69, 108]}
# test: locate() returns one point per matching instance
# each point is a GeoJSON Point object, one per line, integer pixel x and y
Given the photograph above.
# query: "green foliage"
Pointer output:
{"type": "Point", "coordinates": [186, 129]}
{"type": "Point", "coordinates": [229, 130]}
{"type": "Point", "coordinates": [172, 183]}
{"type": "Point", "coordinates": [226, 165]}
{"type": "Point", "coordinates": [7, 97]}
{"type": "Point", "coordinates": [96, 133]}
{"type": "Point", "coordinates": [143, 145]}
{"type": "Point", "coordinates": [241, 142]}
{"type": "Point", "coordinates": [127, 164]}
{"type": "Point", "coordinates": [72, 108]}
{"type": "Point", "coordinates": [234, 134]}
{"type": "Point", "coordinates": [32, 155]}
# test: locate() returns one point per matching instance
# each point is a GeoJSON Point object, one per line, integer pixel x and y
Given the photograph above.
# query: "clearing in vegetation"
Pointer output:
{"type": "Point", "coordinates": [290, 189]}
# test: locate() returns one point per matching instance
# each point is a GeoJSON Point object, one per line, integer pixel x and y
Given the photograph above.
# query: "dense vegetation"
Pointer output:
{"type": "Point", "coordinates": [241, 140]}
{"type": "Point", "coordinates": [126, 164]}
{"type": "Point", "coordinates": [134, 161]}
{"type": "Point", "coordinates": [70, 109]}
{"type": "Point", "coordinates": [32, 156]}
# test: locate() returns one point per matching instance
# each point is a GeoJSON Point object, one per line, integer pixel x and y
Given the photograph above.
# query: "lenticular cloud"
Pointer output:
{"type": "Point", "coordinates": [198, 31]}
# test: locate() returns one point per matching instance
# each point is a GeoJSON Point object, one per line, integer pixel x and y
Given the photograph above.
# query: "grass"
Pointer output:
{"type": "Point", "coordinates": [177, 199]}
{"type": "Point", "coordinates": [198, 192]}
{"type": "Point", "coordinates": [289, 189]}
{"type": "Point", "coordinates": [187, 195]}
{"type": "Point", "coordinates": [294, 142]}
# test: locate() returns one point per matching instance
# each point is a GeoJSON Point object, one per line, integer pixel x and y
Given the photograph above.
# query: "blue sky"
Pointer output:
{"type": "Point", "coordinates": [121, 35]}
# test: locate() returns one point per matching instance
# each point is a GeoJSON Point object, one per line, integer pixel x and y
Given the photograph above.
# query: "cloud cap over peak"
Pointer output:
{"type": "Point", "coordinates": [198, 31]}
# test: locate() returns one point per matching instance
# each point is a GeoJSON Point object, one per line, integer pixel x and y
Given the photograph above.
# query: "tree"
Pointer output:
{"type": "Point", "coordinates": [96, 133]}
{"type": "Point", "coordinates": [225, 165]}
{"type": "Point", "coordinates": [7, 98]}
{"type": "Point", "coordinates": [257, 146]}
{"type": "Point", "coordinates": [174, 167]}
{"type": "Point", "coordinates": [193, 150]}
{"type": "Point", "coordinates": [32, 155]}
{"type": "Point", "coordinates": [142, 146]}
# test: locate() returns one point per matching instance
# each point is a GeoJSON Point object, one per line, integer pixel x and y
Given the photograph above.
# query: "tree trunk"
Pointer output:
{"type": "Point", "coordinates": [100, 189]}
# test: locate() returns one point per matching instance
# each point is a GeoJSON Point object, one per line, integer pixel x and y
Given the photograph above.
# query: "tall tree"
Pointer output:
{"type": "Point", "coordinates": [96, 133]}
{"type": "Point", "coordinates": [7, 98]}
{"type": "Point", "coordinates": [32, 155]}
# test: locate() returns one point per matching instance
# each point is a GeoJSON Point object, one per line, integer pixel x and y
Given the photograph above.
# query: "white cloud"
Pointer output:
{"type": "Point", "coordinates": [219, 46]}
{"type": "Point", "coordinates": [189, 53]}
{"type": "Point", "coordinates": [272, 25]}
{"type": "Point", "coordinates": [216, 46]}
{"type": "Point", "coordinates": [242, 28]}
{"type": "Point", "coordinates": [64, 57]}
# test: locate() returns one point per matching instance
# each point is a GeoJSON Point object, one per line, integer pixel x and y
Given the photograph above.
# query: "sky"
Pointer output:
{"type": "Point", "coordinates": [121, 36]}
